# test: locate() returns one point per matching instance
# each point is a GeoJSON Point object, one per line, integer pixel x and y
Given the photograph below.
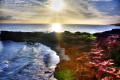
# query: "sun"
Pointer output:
{"type": "Point", "coordinates": [56, 5]}
{"type": "Point", "coordinates": [56, 27]}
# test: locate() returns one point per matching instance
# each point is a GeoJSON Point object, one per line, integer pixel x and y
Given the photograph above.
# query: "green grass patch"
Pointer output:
{"type": "Point", "coordinates": [63, 74]}
{"type": "Point", "coordinates": [81, 34]}
{"type": "Point", "coordinates": [90, 36]}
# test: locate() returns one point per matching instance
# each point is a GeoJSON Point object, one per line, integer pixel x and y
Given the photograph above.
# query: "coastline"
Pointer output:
{"type": "Point", "coordinates": [82, 49]}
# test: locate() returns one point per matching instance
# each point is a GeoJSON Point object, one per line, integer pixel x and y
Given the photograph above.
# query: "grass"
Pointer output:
{"type": "Point", "coordinates": [63, 74]}
{"type": "Point", "coordinates": [116, 57]}
{"type": "Point", "coordinates": [81, 34]}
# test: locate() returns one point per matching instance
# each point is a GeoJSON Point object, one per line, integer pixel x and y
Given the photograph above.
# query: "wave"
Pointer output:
{"type": "Point", "coordinates": [19, 60]}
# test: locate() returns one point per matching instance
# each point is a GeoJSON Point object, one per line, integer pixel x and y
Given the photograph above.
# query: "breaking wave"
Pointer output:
{"type": "Point", "coordinates": [18, 61]}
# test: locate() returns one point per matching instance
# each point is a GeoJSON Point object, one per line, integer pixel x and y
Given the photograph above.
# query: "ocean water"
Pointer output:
{"type": "Point", "coordinates": [19, 61]}
{"type": "Point", "coordinates": [57, 28]}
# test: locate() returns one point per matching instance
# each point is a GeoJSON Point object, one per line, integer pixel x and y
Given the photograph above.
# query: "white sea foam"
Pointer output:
{"type": "Point", "coordinates": [19, 55]}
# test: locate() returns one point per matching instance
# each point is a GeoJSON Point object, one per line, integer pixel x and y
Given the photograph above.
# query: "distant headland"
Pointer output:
{"type": "Point", "coordinates": [118, 24]}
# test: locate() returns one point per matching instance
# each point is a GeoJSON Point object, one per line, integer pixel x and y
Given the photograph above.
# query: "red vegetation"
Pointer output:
{"type": "Point", "coordinates": [96, 61]}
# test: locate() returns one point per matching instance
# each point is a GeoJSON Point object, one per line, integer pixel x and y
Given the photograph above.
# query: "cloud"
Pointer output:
{"type": "Point", "coordinates": [74, 11]}
{"type": "Point", "coordinates": [100, 0]}
{"type": "Point", "coordinates": [82, 8]}
{"type": "Point", "coordinates": [5, 17]}
{"type": "Point", "coordinates": [40, 8]}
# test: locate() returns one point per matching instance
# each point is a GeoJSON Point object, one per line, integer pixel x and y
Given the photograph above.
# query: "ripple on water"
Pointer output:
{"type": "Point", "coordinates": [19, 60]}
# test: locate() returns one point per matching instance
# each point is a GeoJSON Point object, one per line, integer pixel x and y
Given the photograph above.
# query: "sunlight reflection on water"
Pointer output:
{"type": "Point", "coordinates": [56, 27]}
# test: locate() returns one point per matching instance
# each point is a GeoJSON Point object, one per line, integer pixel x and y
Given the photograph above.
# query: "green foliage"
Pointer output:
{"type": "Point", "coordinates": [77, 33]}
{"type": "Point", "coordinates": [67, 32]}
{"type": "Point", "coordinates": [116, 57]}
{"type": "Point", "coordinates": [81, 34]}
{"type": "Point", "coordinates": [63, 74]}
{"type": "Point", "coordinates": [90, 36]}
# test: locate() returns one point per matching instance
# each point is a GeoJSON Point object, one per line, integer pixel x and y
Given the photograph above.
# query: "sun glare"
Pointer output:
{"type": "Point", "coordinates": [56, 27]}
{"type": "Point", "coordinates": [56, 5]}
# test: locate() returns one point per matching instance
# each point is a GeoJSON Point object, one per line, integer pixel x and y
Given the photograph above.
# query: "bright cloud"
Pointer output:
{"type": "Point", "coordinates": [73, 12]}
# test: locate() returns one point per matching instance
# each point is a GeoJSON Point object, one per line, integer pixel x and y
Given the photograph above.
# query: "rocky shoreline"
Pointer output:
{"type": "Point", "coordinates": [83, 55]}
{"type": "Point", "coordinates": [98, 60]}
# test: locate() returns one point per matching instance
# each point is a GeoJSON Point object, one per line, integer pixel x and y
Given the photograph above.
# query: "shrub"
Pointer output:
{"type": "Point", "coordinates": [63, 74]}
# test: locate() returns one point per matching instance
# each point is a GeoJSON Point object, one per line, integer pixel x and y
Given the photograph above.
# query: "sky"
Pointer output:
{"type": "Point", "coordinates": [60, 11]}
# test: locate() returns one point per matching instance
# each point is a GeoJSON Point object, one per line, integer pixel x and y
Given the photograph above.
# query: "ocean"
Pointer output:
{"type": "Point", "coordinates": [56, 27]}
{"type": "Point", "coordinates": [19, 60]}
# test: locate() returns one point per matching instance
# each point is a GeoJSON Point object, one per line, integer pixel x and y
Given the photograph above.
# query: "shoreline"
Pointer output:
{"type": "Point", "coordinates": [78, 47]}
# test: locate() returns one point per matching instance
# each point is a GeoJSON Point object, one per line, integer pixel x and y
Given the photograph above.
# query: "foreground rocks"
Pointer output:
{"type": "Point", "coordinates": [98, 60]}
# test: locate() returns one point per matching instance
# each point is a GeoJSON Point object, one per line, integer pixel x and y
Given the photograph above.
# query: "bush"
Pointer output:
{"type": "Point", "coordinates": [63, 74]}
{"type": "Point", "coordinates": [116, 57]}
